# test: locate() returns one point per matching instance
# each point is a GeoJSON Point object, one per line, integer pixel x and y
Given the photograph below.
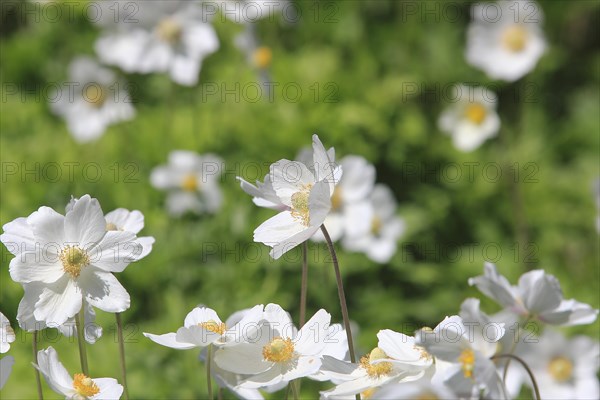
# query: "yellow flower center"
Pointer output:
{"type": "Point", "coordinates": [169, 30]}
{"type": "Point", "coordinates": [190, 183]}
{"type": "Point", "coordinates": [424, 355]}
{"type": "Point", "coordinates": [367, 394]}
{"type": "Point", "coordinates": [561, 369]}
{"type": "Point", "coordinates": [85, 386]}
{"type": "Point", "coordinates": [336, 199]}
{"type": "Point", "coordinates": [94, 94]}
{"type": "Point", "coordinates": [278, 350]}
{"type": "Point", "coordinates": [262, 57]}
{"type": "Point", "coordinates": [379, 369]}
{"type": "Point", "coordinates": [376, 225]}
{"type": "Point", "coordinates": [514, 38]}
{"type": "Point", "coordinates": [467, 359]}
{"type": "Point", "coordinates": [427, 396]}
{"type": "Point", "coordinates": [476, 113]}
{"type": "Point", "coordinates": [73, 260]}
{"type": "Point", "coordinates": [111, 227]}
{"type": "Point", "coordinates": [214, 326]}
{"type": "Point", "coordinates": [300, 205]}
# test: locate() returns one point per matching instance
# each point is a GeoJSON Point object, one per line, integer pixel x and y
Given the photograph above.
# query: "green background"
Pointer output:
{"type": "Point", "coordinates": [357, 64]}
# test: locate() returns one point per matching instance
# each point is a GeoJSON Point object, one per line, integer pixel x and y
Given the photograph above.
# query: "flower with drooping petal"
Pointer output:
{"type": "Point", "coordinates": [79, 386]}
{"type": "Point", "coordinates": [203, 327]}
{"type": "Point", "coordinates": [165, 36]}
{"type": "Point", "coordinates": [278, 352]}
{"type": "Point", "coordinates": [505, 38]}
{"type": "Point", "coordinates": [538, 295]}
{"type": "Point", "coordinates": [379, 236]}
{"type": "Point", "coordinates": [92, 100]}
{"type": "Point", "coordinates": [192, 182]}
{"type": "Point", "coordinates": [472, 118]}
{"type": "Point", "coordinates": [397, 358]}
{"type": "Point", "coordinates": [468, 345]}
{"type": "Point", "coordinates": [67, 260]}
{"type": "Point", "coordinates": [563, 368]}
{"type": "Point", "coordinates": [306, 191]}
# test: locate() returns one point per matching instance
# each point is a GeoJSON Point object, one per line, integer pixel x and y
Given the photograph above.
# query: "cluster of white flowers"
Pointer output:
{"type": "Point", "coordinates": [505, 40]}
{"type": "Point", "coordinates": [162, 36]}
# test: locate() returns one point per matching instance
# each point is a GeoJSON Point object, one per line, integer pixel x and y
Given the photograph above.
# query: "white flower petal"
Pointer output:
{"type": "Point", "coordinates": [169, 340]}
{"type": "Point", "coordinates": [110, 389]}
{"type": "Point", "coordinates": [58, 302]}
{"type": "Point", "coordinates": [54, 372]}
{"type": "Point", "coordinates": [85, 223]}
{"type": "Point", "coordinates": [102, 290]}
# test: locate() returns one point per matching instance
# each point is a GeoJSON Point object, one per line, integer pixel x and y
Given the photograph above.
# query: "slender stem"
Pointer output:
{"type": "Point", "coordinates": [512, 348]}
{"type": "Point", "coordinates": [536, 389]}
{"type": "Point", "coordinates": [295, 389]}
{"type": "Point", "coordinates": [342, 296]}
{"type": "Point", "coordinates": [34, 343]}
{"type": "Point", "coordinates": [220, 394]}
{"type": "Point", "coordinates": [208, 375]}
{"type": "Point", "coordinates": [304, 287]}
{"type": "Point", "coordinates": [122, 354]}
{"type": "Point", "coordinates": [80, 324]}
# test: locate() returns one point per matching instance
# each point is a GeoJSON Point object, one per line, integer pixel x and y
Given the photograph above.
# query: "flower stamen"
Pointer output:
{"type": "Point", "coordinates": [379, 369]}
{"type": "Point", "coordinates": [476, 113]}
{"type": "Point", "coordinates": [85, 386]}
{"type": "Point", "coordinates": [279, 350]}
{"type": "Point", "coordinates": [190, 183]}
{"type": "Point", "coordinates": [561, 369]}
{"type": "Point", "coordinates": [262, 57]}
{"type": "Point", "coordinates": [467, 359]}
{"type": "Point", "coordinates": [73, 260]}
{"type": "Point", "coordinates": [300, 205]}
{"type": "Point", "coordinates": [514, 38]}
{"type": "Point", "coordinates": [214, 326]}
{"type": "Point", "coordinates": [169, 30]}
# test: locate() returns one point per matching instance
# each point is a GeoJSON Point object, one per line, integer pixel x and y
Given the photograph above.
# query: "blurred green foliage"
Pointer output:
{"type": "Point", "coordinates": [540, 213]}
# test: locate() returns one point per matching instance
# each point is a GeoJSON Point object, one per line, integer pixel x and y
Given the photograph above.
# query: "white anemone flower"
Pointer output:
{"type": "Point", "coordinates": [203, 327]}
{"type": "Point", "coordinates": [277, 352]}
{"type": "Point", "coordinates": [92, 100]}
{"type": "Point", "coordinates": [538, 295]}
{"type": "Point", "coordinates": [191, 180]}
{"type": "Point", "coordinates": [79, 386]}
{"type": "Point", "coordinates": [7, 335]}
{"type": "Point", "coordinates": [468, 346]}
{"type": "Point", "coordinates": [350, 207]}
{"type": "Point", "coordinates": [69, 259]}
{"type": "Point", "coordinates": [397, 358]}
{"type": "Point", "coordinates": [379, 236]}
{"type": "Point", "coordinates": [563, 368]}
{"type": "Point", "coordinates": [164, 36]}
{"type": "Point", "coordinates": [505, 38]}
{"type": "Point", "coordinates": [307, 191]}
{"type": "Point", "coordinates": [472, 118]}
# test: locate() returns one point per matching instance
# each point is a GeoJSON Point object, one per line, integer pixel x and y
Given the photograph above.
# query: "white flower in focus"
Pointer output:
{"type": "Point", "coordinates": [472, 119]}
{"type": "Point", "coordinates": [538, 295]}
{"type": "Point", "coordinates": [277, 352]}
{"type": "Point", "coordinates": [78, 387]}
{"type": "Point", "coordinates": [564, 368]}
{"type": "Point", "coordinates": [351, 211]}
{"type": "Point", "coordinates": [307, 191]}
{"type": "Point", "coordinates": [68, 259]}
{"type": "Point", "coordinates": [192, 182]}
{"type": "Point", "coordinates": [92, 100]}
{"type": "Point", "coordinates": [7, 335]}
{"type": "Point", "coordinates": [505, 38]}
{"type": "Point", "coordinates": [165, 36]}
{"type": "Point", "coordinates": [468, 346]}
{"type": "Point", "coordinates": [397, 358]}
{"type": "Point", "coordinates": [203, 327]}
{"type": "Point", "coordinates": [378, 237]}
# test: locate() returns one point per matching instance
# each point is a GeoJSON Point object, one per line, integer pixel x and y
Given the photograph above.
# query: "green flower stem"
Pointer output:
{"type": "Point", "coordinates": [122, 354]}
{"type": "Point", "coordinates": [536, 389]}
{"type": "Point", "coordinates": [208, 373]}
{"type": "Point", "coordinates": [80, 324]}
{"type": "Point", "coordinates": [304, 286]}
{"type": "Point", "coordinates": [34, 343]}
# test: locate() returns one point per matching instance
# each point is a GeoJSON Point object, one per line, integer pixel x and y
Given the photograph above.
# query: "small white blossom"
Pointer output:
{"type": "Point", "coordinates": [505, 38]}
{"type": "Point", "coordinates": [538, 295]}
{"type": "Point", "coordinates": [92, 100]}
{"type": "Point", "coordinates": [78, 387]}
{"type": "Point", "coordinates": [191, 180]}
{"type": "Point", "coordinates": [472, 119]}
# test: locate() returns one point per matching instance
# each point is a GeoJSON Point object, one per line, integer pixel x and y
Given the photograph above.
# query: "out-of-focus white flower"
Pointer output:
{"type": "Point", "coordinates": [6, 364]}
{"type": "Point", "coordinates": [278, 352]}
{"type": "Point", "coordinates": [63, 260]}
{"type": "Point", "coordinates": [378, 237]}
{"type": "Point", "coordinates": [258, 56]}
{"type": "Point", "coordinates": [472, 118]}
{"type": "Point", "coordinates": [306, 191]}
{"type": "Point", "coordinates": [505, 38]}
{"type": "Point", "coordinates": [162, 36]}
{"type": "Point", "coordinates": [538, 295]}
{"type": "Point", "coordinates": [250, 11]}
{"type": "Point", "coordinates": [203, 327]}
{"type": "Point", "coordinates": [78, 387]}
{"type": "Point", "coordinates": [396, 358]}
{"type": "Point", "coordinates": [468, 346]}
{"type": "Point", "coordinates": [192, 182]}
{"type": "Point", "coordinates": [91, 100]}
{"type": "Point", "coordinates": [351, 210]}
{"type": "Point", "coordinates": [7, 335]}
{"type": "Point", "coordinates": [564, 368]}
